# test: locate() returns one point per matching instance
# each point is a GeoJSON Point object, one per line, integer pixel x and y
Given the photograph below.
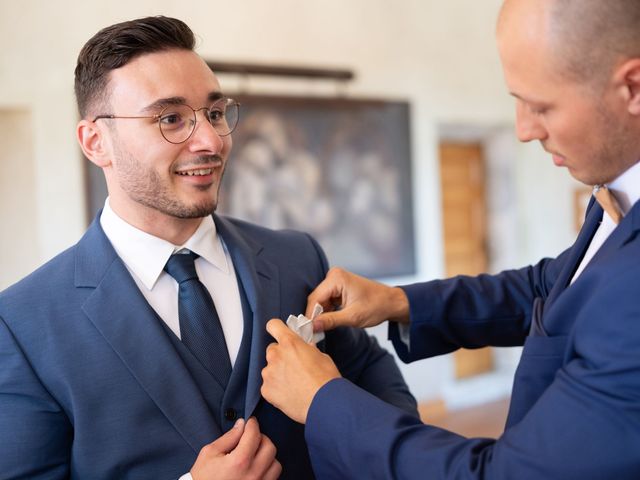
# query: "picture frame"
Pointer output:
{"type": "Point", "coordinates": [336, 168]}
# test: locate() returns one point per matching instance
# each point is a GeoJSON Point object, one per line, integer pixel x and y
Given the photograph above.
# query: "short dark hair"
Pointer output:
{"type": "Point", "coordinates": [116, 45]}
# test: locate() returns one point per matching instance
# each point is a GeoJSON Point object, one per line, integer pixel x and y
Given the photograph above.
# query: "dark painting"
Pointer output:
{"type": "Point", "coordinates": [339, 169]}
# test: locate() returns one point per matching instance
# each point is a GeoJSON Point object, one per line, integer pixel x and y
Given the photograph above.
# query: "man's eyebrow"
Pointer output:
{"type": "Point", "coordinates": [527, 100]}
{"type": "Point", "coordinates": [165, 102]}
{"type": "Point", "coordinates": [214, 96]}
{"type": "Point", "coordinates": [162, 103]}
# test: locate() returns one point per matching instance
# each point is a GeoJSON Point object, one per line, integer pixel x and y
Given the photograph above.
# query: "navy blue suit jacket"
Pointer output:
{"type": "Point", "coordinates": [93, 386]}
{"type": "Point", "coordinates": [575, 407]}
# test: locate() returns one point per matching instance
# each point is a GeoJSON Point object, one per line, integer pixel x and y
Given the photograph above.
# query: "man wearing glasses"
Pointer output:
{"type": "Point", "coordinates": [137, 353]}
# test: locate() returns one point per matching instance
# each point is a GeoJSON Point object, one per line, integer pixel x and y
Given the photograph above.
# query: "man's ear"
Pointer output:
{"type": "Point", "coordinates": [93, 143]}
{"type": "Point", "coordinates": [628, 74]}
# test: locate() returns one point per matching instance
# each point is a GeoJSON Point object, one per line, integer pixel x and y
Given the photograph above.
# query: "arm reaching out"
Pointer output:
{"type": "Point", "coordinates": [354, 301]}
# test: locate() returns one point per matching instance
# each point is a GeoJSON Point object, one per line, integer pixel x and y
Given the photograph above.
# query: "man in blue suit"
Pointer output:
{"type": "Point", "coordinates": [102, 375]}
{"type": "Point", "coordinates": [574, 68]}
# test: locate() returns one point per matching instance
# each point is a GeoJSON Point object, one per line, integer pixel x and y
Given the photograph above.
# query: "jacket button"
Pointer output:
{"type": "Point", "coordinates": [230, 414]}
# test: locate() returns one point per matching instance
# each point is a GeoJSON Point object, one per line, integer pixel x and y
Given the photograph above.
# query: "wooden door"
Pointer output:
{"type": "Point", "coordinates": [465, 228]}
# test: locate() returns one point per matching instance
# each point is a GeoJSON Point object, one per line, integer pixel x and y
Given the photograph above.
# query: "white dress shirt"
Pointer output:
{"type": "Point", "coordinates": [145, 257]}
{"type": "Point", "coordinates": [626, 190]}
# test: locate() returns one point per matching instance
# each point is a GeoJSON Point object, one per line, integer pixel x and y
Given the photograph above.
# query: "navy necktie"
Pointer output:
{"type": "Point", "coordinates": [200, 328]}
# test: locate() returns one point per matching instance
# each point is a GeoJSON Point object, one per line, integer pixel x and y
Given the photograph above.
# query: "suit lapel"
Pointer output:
{"type": "Point", "coordinates": [261, 283]}
{"type": "Point", "coordinates": [588, 230]}
{"type": "Point", "coordinates": [626, 230]}
{"type": "Point", "coordinates": [621, 235]}
{"type": "Point", "coordinates": [131, 327]}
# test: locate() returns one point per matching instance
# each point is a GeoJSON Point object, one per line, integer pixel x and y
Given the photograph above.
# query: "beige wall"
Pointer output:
{"type": "Point", "coordinates": [439, 55]}
{"type": "Point", "coordinates": [19, 241]}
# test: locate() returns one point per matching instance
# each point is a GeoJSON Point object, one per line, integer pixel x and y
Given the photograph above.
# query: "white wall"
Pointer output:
{"type": "Point", "coordinates": [439, 55]}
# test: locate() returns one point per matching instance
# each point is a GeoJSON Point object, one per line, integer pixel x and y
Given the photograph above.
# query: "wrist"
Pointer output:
{"type": "Point", "coordinates": [399, 305]}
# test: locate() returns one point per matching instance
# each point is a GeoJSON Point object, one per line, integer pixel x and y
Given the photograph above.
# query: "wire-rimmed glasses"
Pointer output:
{"type": "Point", "coordinates": [178, 122]}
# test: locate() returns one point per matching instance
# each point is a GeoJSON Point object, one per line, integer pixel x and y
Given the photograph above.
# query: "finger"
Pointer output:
{"type": "Point", "coordinates": [227, 442]}
{"type": "Point", "coordinates": [327, 291]}
{"type": "Point", "coordinates": [274, 471]}
{"type": "Point", "coordinates": [250, 441]}
{"type": "Point", "coordinates": [265, 456]}
{"type": "Point", "coordinates": [278, 330]}
{"type": "Point", "coordinates": [270, 354]}
{"type": "Point", "coordinates": [271, 347]}
{"type": "Point", "coordinates": [331, 320]}
{"type": "Point", "coordinates": [328, 294]}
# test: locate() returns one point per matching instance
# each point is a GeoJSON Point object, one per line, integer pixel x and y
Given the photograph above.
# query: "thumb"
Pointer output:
{"type": "Point", "coordinates": [227, 442]}
{"type": "Point", "coordinates": [331, 320]}
{"type": "Point", "coordinates": [278, 329]}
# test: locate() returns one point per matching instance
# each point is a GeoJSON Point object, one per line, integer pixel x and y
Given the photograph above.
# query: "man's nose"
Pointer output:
{"type": "Point", "coordinates": [529, 126]}
{"type": "Point", "coordinates": [205, 136]}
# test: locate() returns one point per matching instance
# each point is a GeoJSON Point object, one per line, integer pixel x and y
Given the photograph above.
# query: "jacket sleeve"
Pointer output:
{"type": "Point", "coordinates": [473, 312]}
{"type": "Point", "coordinates": [36, 434]}
{"type": "Point", "coordinates": [586, 424]}
{"type": "Point", "coordinates": [364, 362]}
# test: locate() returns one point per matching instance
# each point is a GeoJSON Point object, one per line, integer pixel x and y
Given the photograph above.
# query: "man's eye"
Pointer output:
{"type": "Point", "coordinates": [215, 115]}
{"type": "Point", "coordinates": [171, 120]}
{"type": "Point", "coordinates": [538, 110]}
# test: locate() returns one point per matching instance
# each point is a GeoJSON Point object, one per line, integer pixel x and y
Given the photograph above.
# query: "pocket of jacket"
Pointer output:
{"type": "Point", "coordinates": [537, 327]}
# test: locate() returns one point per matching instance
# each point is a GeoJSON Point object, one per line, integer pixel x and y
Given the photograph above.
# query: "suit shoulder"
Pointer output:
{"type": "Point", "coordinates": [31, 287]}
{"type": "Point", "coordinates": [289, 249]}
{"type": "Point", "coordinates": [264, 234]}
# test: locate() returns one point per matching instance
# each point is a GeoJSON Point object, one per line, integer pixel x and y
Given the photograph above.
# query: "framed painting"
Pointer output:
{"type": "Point", "coordinates": [339, 169]}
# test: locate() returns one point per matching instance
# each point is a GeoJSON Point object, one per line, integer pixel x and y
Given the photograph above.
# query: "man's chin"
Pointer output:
{"type": "Point", "coordinates": [184, 211]}
{"type": "Point", "coordinates": [198, 211]}
{"type": "Point", "coordinates": [587, 179]}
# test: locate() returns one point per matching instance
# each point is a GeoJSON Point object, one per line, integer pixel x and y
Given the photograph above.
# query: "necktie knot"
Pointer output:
{"type": "Point", "coordinates": [182, 267]}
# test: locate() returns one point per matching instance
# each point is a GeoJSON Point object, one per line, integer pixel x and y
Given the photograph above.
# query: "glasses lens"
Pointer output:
{"type": "Point", "coordinates": [224, 116]}
{"type": "Point", "coordinates": [177, 123]}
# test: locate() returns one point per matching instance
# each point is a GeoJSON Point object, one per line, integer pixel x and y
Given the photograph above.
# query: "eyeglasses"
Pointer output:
{"type": "Point", "coordinates": [178, 122]}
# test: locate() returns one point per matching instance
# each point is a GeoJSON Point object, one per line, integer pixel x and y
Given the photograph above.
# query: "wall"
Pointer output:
{"type": "Point", "coordinates": [438, 55]}
{"type": "Point", "coordinates": [17, 196]}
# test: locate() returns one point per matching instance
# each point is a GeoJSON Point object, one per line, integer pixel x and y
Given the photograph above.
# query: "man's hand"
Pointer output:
{"type": "Point", "coordinates": [360, 302]}
{"type": "Point", "coordinates": [242, 453]}
{"type": "Point", "coordinates": [294, 373]}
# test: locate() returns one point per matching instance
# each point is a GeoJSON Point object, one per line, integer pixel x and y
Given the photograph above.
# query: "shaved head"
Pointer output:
{"type": "Point", "coordinates": [587, 37]}
{"type": "Point", "coordinates": [573, 67]}
{"type": "Point", "coordinates": [592, 36]}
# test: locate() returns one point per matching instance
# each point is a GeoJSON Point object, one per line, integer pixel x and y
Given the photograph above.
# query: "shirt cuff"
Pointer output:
{"type": "Point", "coordinates": [186, 476]}
{"type": "Point", "coordinates": [404, 333]}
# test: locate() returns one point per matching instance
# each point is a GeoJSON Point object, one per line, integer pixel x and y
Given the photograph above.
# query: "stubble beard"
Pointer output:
{"type": "Point", "coordinates": [614, 148]}
{"type": "Point", "coordinates": [146, 187]}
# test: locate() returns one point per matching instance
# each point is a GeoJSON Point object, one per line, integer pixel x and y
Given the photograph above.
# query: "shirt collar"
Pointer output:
{"type": "Point", "coordinates": [626, 188]}
{"type": "Point", "coordinates": [146, 255]}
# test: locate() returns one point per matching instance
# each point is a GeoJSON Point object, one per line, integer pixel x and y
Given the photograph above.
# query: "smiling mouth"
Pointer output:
{"type": "Point", "coordinates": [196, 173]}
